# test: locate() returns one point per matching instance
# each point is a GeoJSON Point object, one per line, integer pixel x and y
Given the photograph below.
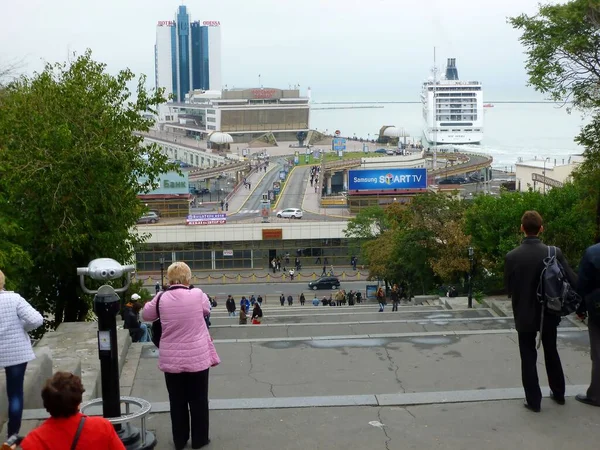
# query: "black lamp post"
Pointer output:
{"type": "Point", "coordinates": [471, 252]}
{"type": "Point", "coordinates": [162, 272]}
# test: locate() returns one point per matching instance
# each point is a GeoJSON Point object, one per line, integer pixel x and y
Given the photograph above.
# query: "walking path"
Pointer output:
{"type": "Point", "coordinates": [237, 199]}
{"type": "Point", "coordinates": [424, 377]}
{"type": "Point", "coordinates": [312, 203]}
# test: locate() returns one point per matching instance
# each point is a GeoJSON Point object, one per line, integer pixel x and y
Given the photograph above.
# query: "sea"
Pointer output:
{"type": "Point", "coordinates": [513, 132]}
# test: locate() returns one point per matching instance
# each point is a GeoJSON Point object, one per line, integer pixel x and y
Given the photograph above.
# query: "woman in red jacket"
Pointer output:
{"type": "Point", "coordinates": [62, 396]}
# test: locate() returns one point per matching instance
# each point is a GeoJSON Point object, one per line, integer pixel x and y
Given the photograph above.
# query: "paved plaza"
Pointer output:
{"type": "Point", "coordinates": [425, 377]}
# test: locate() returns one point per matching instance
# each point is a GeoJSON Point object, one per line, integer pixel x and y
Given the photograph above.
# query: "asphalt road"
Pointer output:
{"type": "Point", "coordinates": [274, 289]}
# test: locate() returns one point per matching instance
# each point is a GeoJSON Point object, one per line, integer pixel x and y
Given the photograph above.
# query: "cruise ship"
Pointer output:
{"type": "Point", "coordinates": [459, 108]}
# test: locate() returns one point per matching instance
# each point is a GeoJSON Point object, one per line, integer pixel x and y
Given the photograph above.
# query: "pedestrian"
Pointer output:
{"type": "Point", "coordinates": [226, 206]}
{"type": "Point", "coordinates": [245, 303]}
{"type": "Point", "coordinates": [257, 314]}
{"type": "Point", "coordinates": [243, 316]}
{"type": "Point", "coordinates": [290, 300]}
{"type": "Point", "coordinates": [589, 289]}
{"type": "Point", "coordinates": [259, 299]}
{"type": "Point", "coordinates": [287, 257]}
{"type": "Point", "coordinates": [252, 300]}
{"type": "Point", "coordinates": [186, 354]}
{"type": "Point", "coordinates": [291, 274]}
{"type": "Point", "coordinates": [381, 298]}
{"type": "Point", "coordinates": [324, 272]}
{"type": "Point", "coordinates": [230, 305]}
{"type": "Point", "coordinates": [351, 298]}
{"type": "Point", "coordinates": [522, 270]}
{"type": "Point", "coordinates": [278, 264]}
{"type": "Point", "coordinates": [302, 299]}
{"type": "Point", "coordinates": [395, 296]}
{"type": "Point", "coordinates": [274, 265]}
{"type": "Point", "coordinates": [137, 331]}
{"type": "Point", "coordinates": [17, 318]}
{"type": "Point", "coordinates": [338, 298]}
{"type": "Point", "coordinates": [315, 301]}
{"type": "Point", "coordinates": [222, 203]}
{"type": "Point", "coordinates": [316, 188]}
{"type": "Point", "coordinates": [62, 396]}
{"type": "Point", "coordinates": [358, 297]}
{"type": "Point", "coordinates": [282, 299]}
{"type": "Point", "coordinates": [157, 287]}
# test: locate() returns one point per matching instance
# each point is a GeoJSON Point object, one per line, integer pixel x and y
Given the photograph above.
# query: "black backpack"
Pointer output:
{"type": "Point", "coordinates": [554, 290]}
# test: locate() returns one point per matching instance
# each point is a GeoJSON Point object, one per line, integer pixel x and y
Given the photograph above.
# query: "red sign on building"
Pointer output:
{"type": "Point", "coordinates": [166, 23]}
{"type": "Point", "coordinates": [211, 23]}
{"type": "Point", "coordinates": [263, 93]}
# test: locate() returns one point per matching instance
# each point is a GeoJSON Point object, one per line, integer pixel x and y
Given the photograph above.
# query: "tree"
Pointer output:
{"type": "Point", "coordinates": [69, 168]}
{"type": "Point", "coordinates": [563, 61]}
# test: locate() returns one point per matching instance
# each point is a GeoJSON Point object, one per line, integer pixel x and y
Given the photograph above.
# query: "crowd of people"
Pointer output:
{"type": "Point", "coordinates": [187, 351]}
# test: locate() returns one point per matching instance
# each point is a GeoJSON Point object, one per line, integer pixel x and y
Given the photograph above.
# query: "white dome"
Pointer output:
{"type": "Point", "coordinates": [394, 132]}
{"type": "Point", "coordinates": [220, 138]}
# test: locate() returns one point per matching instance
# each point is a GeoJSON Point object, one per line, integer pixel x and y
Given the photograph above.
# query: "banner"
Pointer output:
{"type": "Point", "coordinates": [387, 179]}
{"type": "Point", "coordinates": [206, 219]}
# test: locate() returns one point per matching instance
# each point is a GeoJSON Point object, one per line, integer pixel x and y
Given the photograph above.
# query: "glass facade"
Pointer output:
{"type": "Point", "coordinates": [264, 119]}
{"type": "Point", "coordinates": [174, 59]}
{"type": "Point", "coordinates": [245, 254]}
{"type": "Point", "coordinates": [183, 36]}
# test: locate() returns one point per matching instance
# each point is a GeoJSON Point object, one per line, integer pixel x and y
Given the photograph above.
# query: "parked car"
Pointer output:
{"type": "Point", "coordinates": [325, 283]}
{"type": "Point", "coordinates": [149, 217]}
{"type": "Point", "coordinates": [290, 213]}
{"type": "Point", "coordinates": [453, 180]}
{"type": "Point", "coordinates": [381, 150]}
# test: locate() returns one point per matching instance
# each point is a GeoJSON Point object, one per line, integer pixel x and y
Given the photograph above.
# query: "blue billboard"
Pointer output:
{"type": "Point", "coordinates": [339, 144]}
{"type": "Point", "coordinates": [386, 179]}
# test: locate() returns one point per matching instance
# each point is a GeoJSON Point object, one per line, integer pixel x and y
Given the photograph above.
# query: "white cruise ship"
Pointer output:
{"type": "Point", "coordinates": [459, 109]}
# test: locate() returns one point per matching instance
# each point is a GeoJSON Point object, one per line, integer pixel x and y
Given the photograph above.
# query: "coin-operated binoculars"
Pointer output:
{"type": "Point", "coordinates": [106, 307]}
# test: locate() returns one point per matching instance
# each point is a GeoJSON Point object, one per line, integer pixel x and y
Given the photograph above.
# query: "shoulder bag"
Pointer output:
{"type": "Point", "coordinates": [78, 433]}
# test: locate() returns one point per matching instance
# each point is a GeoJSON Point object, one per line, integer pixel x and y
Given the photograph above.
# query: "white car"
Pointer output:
{"type": "Point", "coordinates": [290, 213]}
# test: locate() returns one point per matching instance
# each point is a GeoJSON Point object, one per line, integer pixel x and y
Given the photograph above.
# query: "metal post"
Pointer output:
{"type": "Point", "coordinates": [162, 271]}
{"type": "Point", "coordinates": [470, 301]}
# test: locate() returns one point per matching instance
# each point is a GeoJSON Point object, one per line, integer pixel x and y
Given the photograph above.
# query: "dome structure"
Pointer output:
{"type": "Point", "coordinates": [394, 132]}
{"type": "Point", "coordinates": [219, 138]}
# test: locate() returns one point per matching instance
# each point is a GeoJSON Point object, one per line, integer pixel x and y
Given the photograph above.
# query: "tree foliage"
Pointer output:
{"type": "Point", "coordinates": [563, 61]}
{"type": "Point", "coordinates": [69, 168]}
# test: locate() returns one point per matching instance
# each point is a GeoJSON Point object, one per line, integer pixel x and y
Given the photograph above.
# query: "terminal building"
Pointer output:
{"type": "Point", "coordinates": [246, 115]}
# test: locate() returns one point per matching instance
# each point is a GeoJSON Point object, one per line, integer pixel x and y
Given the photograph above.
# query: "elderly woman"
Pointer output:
{"type": "Point", "coordinates": [17, 317]}
{"type": "Point", "coordinates": [62, 395]}
{"type": "Point", "coordinates": [186, 354]}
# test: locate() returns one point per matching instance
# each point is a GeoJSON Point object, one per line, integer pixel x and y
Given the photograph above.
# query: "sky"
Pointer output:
{"type": "Point", "coordinates": [350, 50]}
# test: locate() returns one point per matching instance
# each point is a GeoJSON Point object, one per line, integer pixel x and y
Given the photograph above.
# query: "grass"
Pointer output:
{"type": "Point", "coordinates": [331, 156]}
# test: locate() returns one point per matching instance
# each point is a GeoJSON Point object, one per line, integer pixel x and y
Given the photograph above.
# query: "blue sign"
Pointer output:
{"type": "Point", "coordinates": [206, 219]}
{"type": "Point", "coordinates": [339, 144]}
{"type": "Point", "coordinates": [386, 179]}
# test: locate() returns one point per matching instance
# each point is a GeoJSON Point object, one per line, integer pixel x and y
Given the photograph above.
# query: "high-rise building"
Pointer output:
{"type": "Point", "coordinates": [187, 55]}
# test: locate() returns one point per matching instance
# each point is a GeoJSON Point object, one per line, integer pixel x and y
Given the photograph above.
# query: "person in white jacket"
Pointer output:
{"type": "Point", "coordinates": [17, 317]}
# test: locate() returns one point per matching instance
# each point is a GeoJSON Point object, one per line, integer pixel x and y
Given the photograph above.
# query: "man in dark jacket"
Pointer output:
{"type": "Point", "coordinates": [589, 289]}
{"type": "Point", "coordinates": [137, 330]}
{"type": "Point", "coordinates": [522, 269]}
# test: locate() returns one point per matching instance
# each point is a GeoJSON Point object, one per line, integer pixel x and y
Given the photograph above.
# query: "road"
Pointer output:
{"type": "Point", "coordinates": [274, 289]}
{"type": "Point", "coordinates": [293, 195]}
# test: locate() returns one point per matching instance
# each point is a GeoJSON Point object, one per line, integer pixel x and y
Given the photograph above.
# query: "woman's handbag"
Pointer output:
{"type": "Point", "coordinates": [157, 325]}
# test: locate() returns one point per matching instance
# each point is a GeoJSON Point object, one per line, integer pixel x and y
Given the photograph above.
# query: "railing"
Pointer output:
{"type": "Point", "coordinates": [545, 180]}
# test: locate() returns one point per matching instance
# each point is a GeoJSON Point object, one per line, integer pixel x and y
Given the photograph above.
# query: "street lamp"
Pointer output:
{"type": "Point", "coordinates": [544, 173]}
{"type": "Point", "coordinates": [162, 271]}
{"type": "Point", "coordinates": [470, 277]}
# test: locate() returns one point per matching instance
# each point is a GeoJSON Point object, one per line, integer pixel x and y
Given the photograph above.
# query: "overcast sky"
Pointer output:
{"type": "Point", "coordinates": [354, 49]}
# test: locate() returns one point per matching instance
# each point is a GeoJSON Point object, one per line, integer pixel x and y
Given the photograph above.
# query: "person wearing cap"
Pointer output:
{"type": "Point", "coordinates": [137, 330]}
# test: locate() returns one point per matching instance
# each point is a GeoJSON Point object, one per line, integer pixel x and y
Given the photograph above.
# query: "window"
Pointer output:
{"type": "Point", "coordinates": [211, 119]}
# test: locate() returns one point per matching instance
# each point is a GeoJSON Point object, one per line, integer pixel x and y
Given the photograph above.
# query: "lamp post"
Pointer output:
{"type": "Point", "coordinates": [470, 299]}
{"type": "Point", "coordinates": [544, 180]}
{"type": "Point", "coordinates": [162, 271]}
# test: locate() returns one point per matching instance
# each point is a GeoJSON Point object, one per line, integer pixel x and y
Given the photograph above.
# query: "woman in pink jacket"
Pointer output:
{"type": "Point", "coordinates": [186, 353]}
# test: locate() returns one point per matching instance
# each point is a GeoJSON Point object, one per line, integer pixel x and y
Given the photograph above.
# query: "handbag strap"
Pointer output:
{"type": "Point", "coordinates": [168, 289]}
{"type": "Point", "coordinates": [78, 433]}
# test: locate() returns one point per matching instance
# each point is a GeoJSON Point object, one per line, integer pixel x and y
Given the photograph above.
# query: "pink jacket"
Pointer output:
{"type": "Point", "coordinates": [185, 345]}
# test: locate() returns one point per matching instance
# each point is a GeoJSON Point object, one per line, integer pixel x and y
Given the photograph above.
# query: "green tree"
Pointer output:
{"type": "Point", "coordinates": [562, 42]}
{"type": "Point", "coordinates": [69, 168]}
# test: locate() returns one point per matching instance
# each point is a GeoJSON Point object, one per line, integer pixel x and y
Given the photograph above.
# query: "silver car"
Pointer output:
{"type": "Point", "coordinates": [149, 217]}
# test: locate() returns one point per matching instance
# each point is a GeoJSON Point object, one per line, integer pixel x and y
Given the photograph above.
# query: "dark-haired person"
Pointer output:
{"type": "Point", "coordinates": [62, 395]}
{"type": "Point", "coordinates": [522, 269]}
{"type": "Point", "coordinates": [17, 317]}
{"type": "Point", "coordinates": [589, 289]}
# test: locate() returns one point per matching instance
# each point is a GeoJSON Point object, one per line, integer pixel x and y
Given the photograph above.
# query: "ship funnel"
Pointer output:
{"type": "Point", "coordinates": [451, 70]}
